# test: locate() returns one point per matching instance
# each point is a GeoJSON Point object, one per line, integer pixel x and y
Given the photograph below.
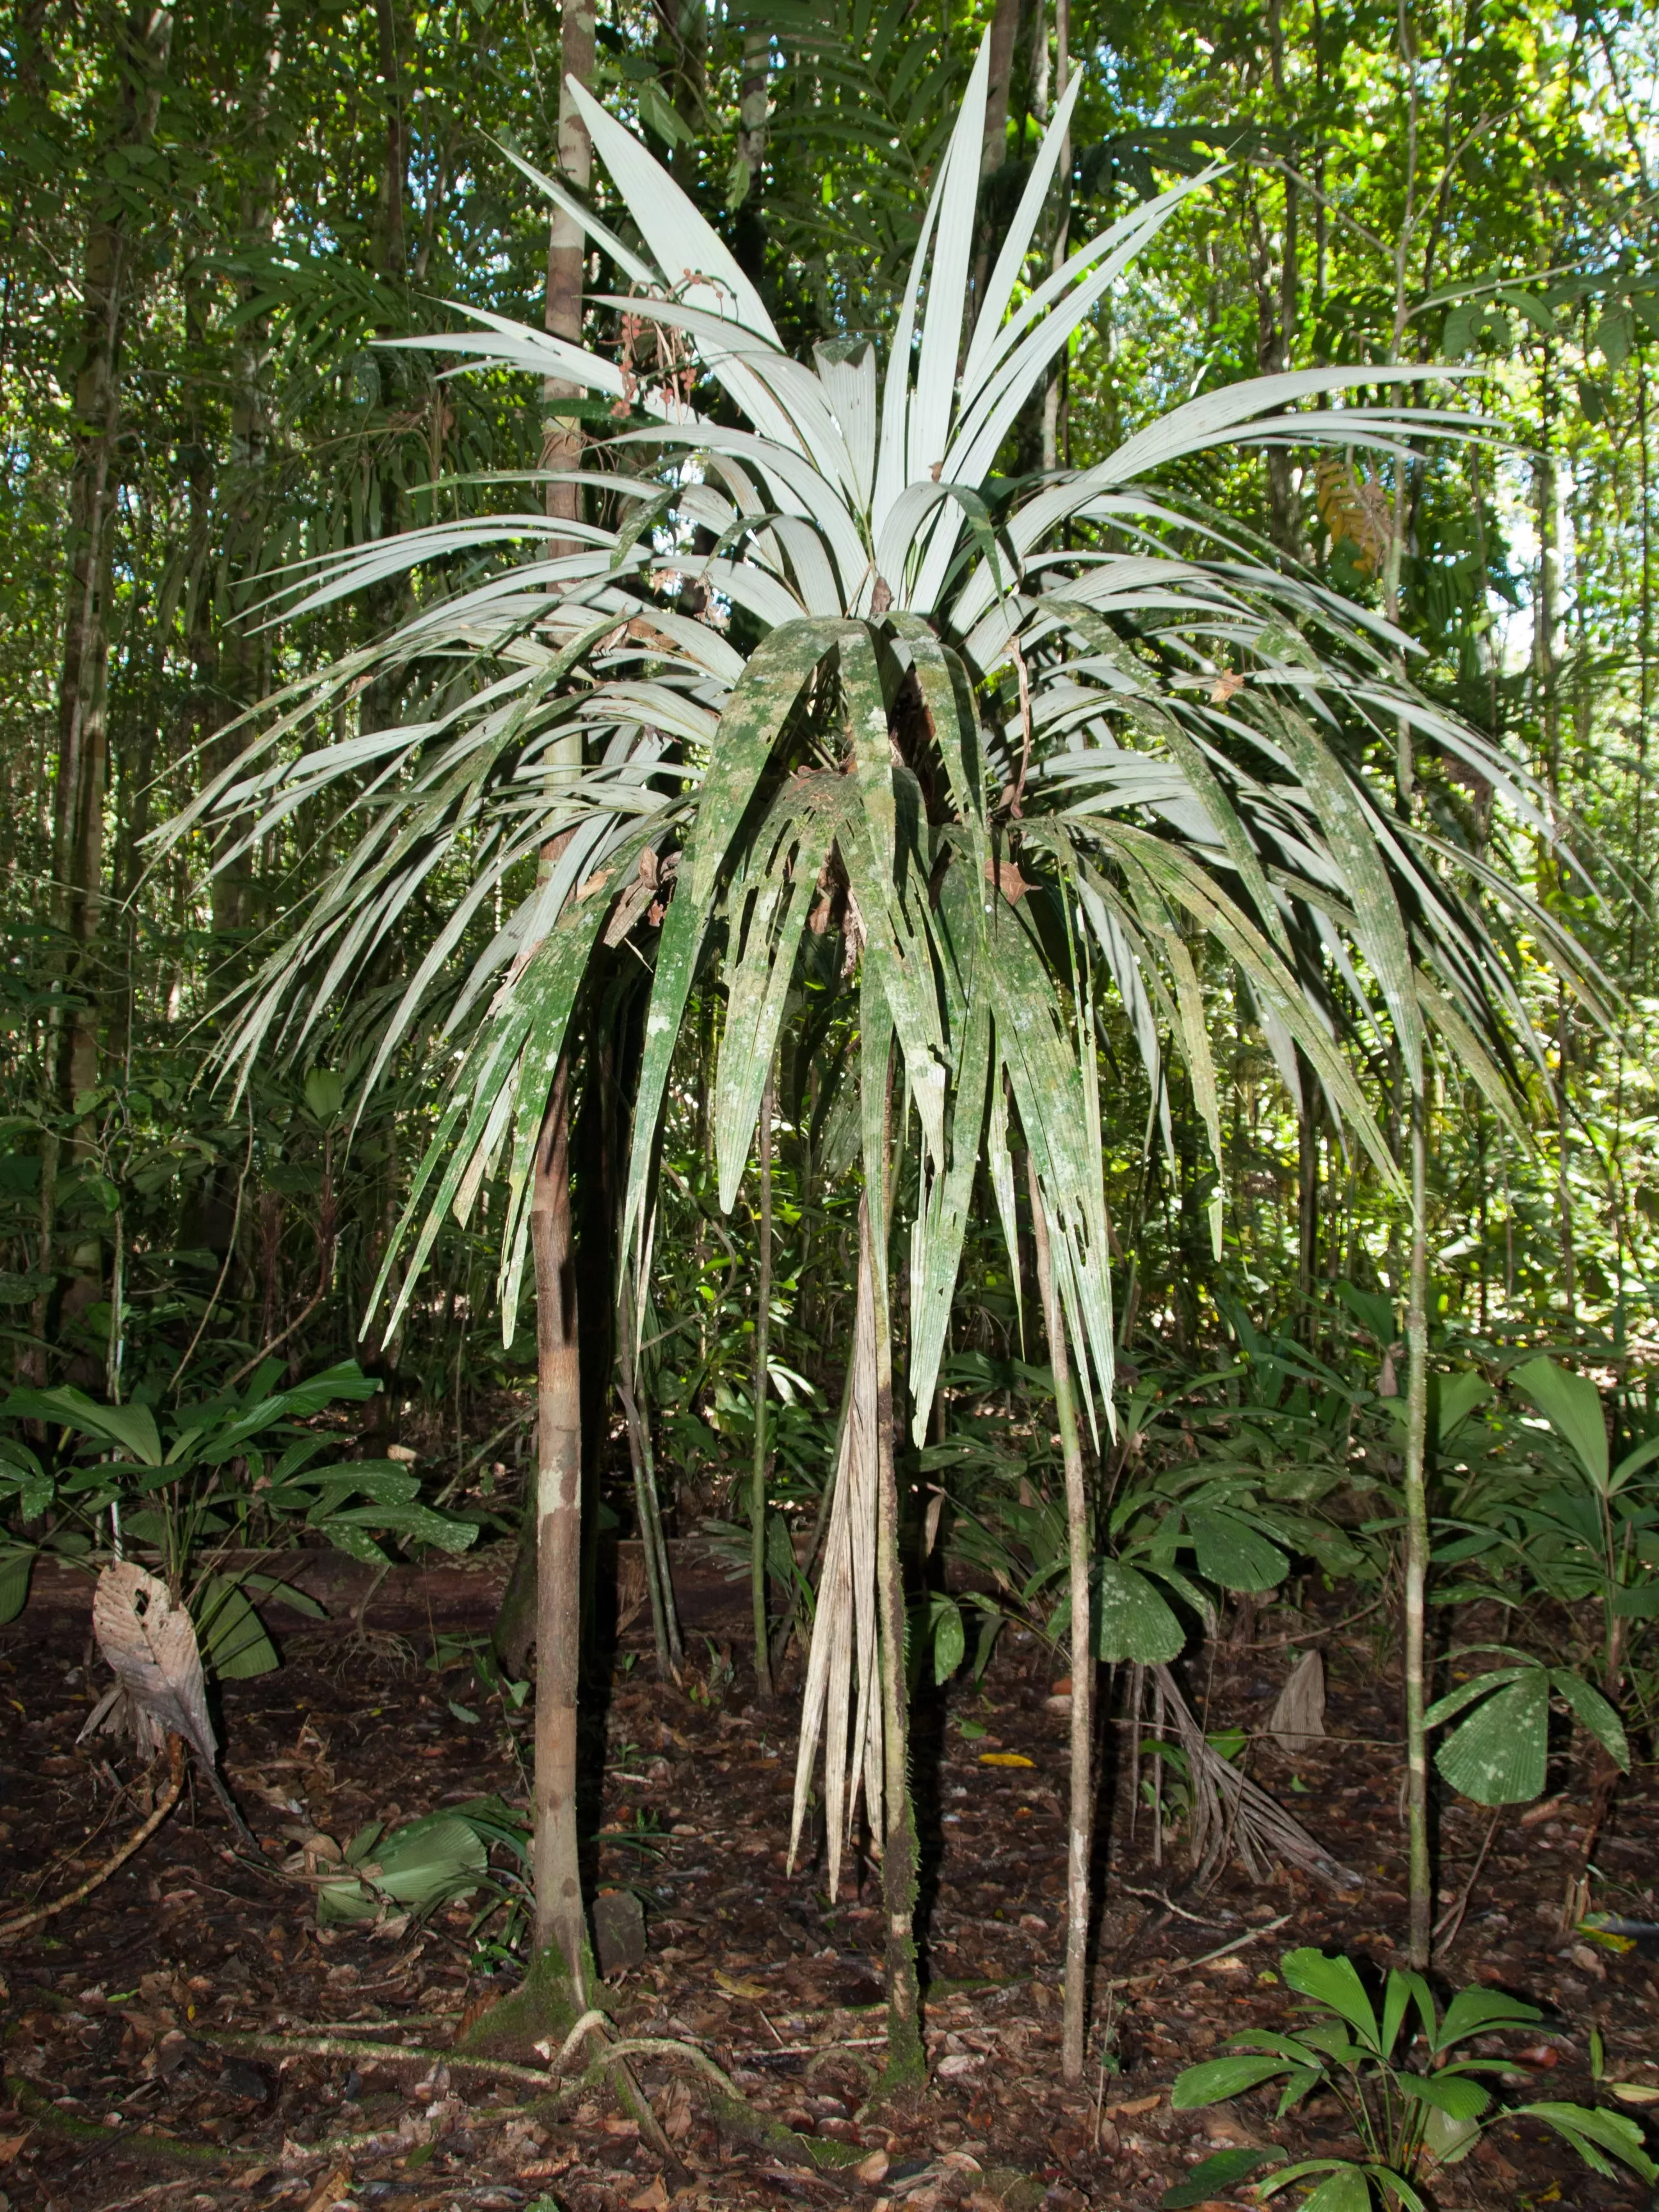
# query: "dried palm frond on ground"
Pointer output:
{"type": "Point", "coordinates": [1232, 1817]}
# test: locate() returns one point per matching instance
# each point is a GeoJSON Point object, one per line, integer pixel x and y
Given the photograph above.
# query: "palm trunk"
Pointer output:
{"type": "Point", "coordinates": [762, 1331]}
{"type": "Point", "coordinates": [906, 2060]}
{"type": "Point", "coordinates": [559, 1923]}
{"type": "Point", "coordinates": [1054, 392]}
{"type": "Point", "coordinates": [567, 254]}
{"type": "Point", "coordinates": [1080, 1834]}
{"type": "Point", "coordinates": [1416, 1542]}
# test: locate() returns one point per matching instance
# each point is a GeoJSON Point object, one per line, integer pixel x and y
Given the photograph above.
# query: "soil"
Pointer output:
{"type": "Point", "coordinates": [152, 2033]}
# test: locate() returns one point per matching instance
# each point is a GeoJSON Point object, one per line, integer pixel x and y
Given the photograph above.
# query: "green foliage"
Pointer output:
{"type": "Point", "coordinates": [184, 1485]}
{"type": "Point", "coordinates": [1409, 2091]}
{"type": "Point", "coordinates": [423, 1864]}
{"type": "Point", "coordinates": [1496, 1755]}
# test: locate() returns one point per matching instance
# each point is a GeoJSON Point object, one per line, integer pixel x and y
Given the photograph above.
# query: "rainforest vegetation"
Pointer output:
{"type": "Point", "coordinates": [830, 989]}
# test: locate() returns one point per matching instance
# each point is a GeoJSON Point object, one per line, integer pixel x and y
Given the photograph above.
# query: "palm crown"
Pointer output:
{"type": "Point", "coordinates": [1184, 753]}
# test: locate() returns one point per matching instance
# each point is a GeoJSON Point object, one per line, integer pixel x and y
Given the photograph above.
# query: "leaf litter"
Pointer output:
{"type": "Point", "coordinates": [193, 2034]}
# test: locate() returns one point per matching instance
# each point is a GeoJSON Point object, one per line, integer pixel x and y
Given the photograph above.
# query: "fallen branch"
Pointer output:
{"type": "Point", "coordinates": [339, 2046]}
{"type": "Point", "coordinates": [20, 1923]}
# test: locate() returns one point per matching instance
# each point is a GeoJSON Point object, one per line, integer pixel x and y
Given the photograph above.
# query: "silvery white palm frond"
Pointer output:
{"type": "Point", "coordinates": [1018, 751]}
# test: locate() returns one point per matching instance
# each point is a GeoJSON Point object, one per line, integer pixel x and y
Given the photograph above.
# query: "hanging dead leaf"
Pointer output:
{"type": "Point", "coordinates": [1299, 1715]}
{"type": "Point", "coordinates": [1355, 509]}
{"type": "Point", "coordinates": [1006, 875]}
{"type": "Point", "coordinates": [150, 1643]}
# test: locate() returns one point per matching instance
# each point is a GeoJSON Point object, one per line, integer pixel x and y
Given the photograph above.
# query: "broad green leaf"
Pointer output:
{"type": "Point", "coordinates": [1586, 2126]}
{"type": "Point", "coordinates": [1347, 2189]}
{"type": "Point", "coordinates": [1472, 2011]}
{"type": "Point", "coordinates": [132, 1427]}
{"type": "Point", "coordinates": [1480, 1686]}
{"type": "Point", "coordinates": [1571, 1405]}
{"type": "Point", "coordinates": [1219, 2171]}
{"type": "Point", "coordinates": [1229, 1551]}
{"type": "Point", "coordinates": [1454, 2095]}
{"type": "Point", "coordinates": [1455, 1397]}
{"type": "Point", "coordinates": [232, 1637]}
{"type": "Point", "coordinates": [950, 1638]}
{"type": "Point", "coordinates": [16, 1565]}
{"type": "Point", "coordinates": [1594, 1713]}
{"type": "Point", "coordinates": [1135, 1623]}
{"type": "Point", "coordinates": [1217, 2079]}
{"type": "Point", "coordinates": [1334, 1982]}
{"type": "Point", "coordinates": [1399, 1992]}
{"type": "Point", "coordinates": [1497, 1755]}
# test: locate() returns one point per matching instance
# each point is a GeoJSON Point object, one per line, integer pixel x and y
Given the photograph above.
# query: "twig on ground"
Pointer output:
{"type": "Point", "coordinates": [1186, 1965]}
{"type": "Point", "coordinates": [22, 1922]}
{"type": "Point", "coordinates": [1156, 1897]}
{"type": "Point", "coordinates": [1445, 1932]}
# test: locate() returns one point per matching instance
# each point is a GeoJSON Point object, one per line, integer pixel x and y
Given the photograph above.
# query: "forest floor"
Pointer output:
{"type": "Point", "coordinates": [123, 2085]}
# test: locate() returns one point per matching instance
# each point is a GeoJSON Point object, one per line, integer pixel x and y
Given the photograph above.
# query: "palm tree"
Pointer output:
{"type": "Point", "coordinates": [1019, 746]}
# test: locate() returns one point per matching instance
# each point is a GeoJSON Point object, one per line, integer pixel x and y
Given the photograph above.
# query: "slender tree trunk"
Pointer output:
{"type": "Point", "coordinates": [390, 218]}
{"type": "Point", "coordinates": [1417, 1542]}
{"type": "Point", "coordinates": [231, 677]}
{"type": "Point", "coordinates": [567, 256]}
{"type": "Point", "coordinates": [747, 187]}
{"type": "Point", "coordinates": [1054, 392]}
{"type": "Point", "coordinates": [906, 2060]}
{"type": "Point", "coordinates": [559, 1922]}
{"type": "Point", "coordinates": [1080, 1830]}
{"type": "Point", "coordinates": [1004, 27]}
{"type": "Point", "coordinates": [763, 1331]}
{"type": "Point", "coordinates": [84, 681]}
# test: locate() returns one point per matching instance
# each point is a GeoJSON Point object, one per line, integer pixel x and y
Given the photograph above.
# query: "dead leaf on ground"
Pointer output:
{"type": "Point", "coordinates": [332, 2189]}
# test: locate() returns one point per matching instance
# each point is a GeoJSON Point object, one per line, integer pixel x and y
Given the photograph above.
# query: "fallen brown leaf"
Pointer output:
{"type": "Point", "coordinates": [330, 2191]}
{"type": "Point", "coordinates": [652, 2199]}
{"type": "Point", "coordinates": [1132, 2107]}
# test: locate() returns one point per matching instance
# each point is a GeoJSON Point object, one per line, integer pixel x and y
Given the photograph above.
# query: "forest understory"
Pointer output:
{"type": "Point", "coordinates": [185, 2036]}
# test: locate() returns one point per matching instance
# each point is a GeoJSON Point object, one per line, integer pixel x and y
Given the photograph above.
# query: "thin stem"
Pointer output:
{"type": "Point", "coordinates": [763, 1331]}
{"type": "Point", "coordinates": [1081, 1823]}
{"type": "Point", "coordinates": [1416, 1540]}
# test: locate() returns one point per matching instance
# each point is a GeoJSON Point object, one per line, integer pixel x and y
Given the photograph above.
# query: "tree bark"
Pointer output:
{"type": "Point", "coordinates": [84, 681]}
{"type": "Point", "coordinates": [1054, 390]}
{"type": "Point", "coordinates": [390, 216]}
{"type": "Point", "coordinates": [1081, 1826]}
{"type": "Point", "coordinates": [559, 1922]}
{"type": "Point", "coordinates": [763, 1331]}
{"type": "Point", "coordinates": [567, 256]}
{"type": "Point", "coordinates": [1004, 26]}
{"type": "Point", "coordinates": [906, 2059]}
{"type": "Point", "coordinates": [1420, 1884]}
